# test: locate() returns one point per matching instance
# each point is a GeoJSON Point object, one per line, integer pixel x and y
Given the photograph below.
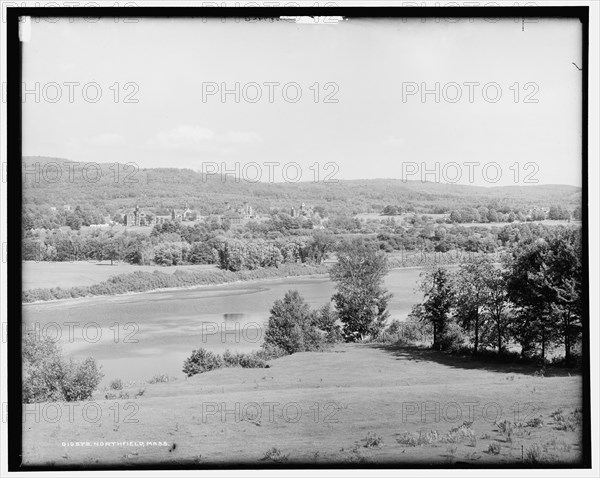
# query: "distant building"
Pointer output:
{"type": "Point", "coordinates": [162, 219]}
{"type": "Point", "coordinates": [234, 218]}
{"type": "Point", "coordinates": [247, 211]}
{"type": "Point", "coordinates": [138, 218]}
{"type": "Point", "coordinates": [239, 215]}
{"type": "Point", "coordinates": [302, 211]}
{"type": "Point", "coordinates": [176, 214]}
{"type": "Point", "coordinates": [185, 214]}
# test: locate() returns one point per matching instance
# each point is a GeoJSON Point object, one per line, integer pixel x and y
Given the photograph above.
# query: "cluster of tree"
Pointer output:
{"type": "Point", "coordinates": [236, 254]}
{"type": "Point", "coordinates": [43, 218]}
{"type": "Point", "coordinates": [431, 237]}
{"type": "Point", "coordinates": [485, 214]}
{"type": "Point", "coordinates": [294, 327]}
{"type": "Point", "coordinates": [173, 244]}
{"type": "Point", "coordinates": [48, 376]}
{"type": "Point", "coordinates": [360, 304]}
{"type": "Point", "coordinates": [534, 298]}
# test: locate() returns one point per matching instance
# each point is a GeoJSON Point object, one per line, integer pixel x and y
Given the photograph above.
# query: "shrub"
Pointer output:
{"type": "Point", "coordinates": [116, 384]}
{"type": "Point", "coordinates": [81, 379]}
{"type": "Point", "coordinates": [237, 359]}
{"type": "Point", "coordinates": [48, 377]}
{"type": "Point", "coordinates": [535, 422]}
{"type": "Point", "coordinates": [494, 448]}
{"type": "Point", "coordinates": [373, 440]}
{"type": "Point", "coordinates": [274, 455]}
{"type": "Point", "coordinates": [418, 439]}
{"type": "Point", "coordinates": [459, 434]}
{"type": "Point", "coordinates": [290, 326]}
{"type": "Point", "coordinates": [453, 338]}
{"type": "Point", "coordinates": [534, 453]}
{"type": "Point", "coordinates": [569, 422]}
{"type": "Point", "coordinates": [325, 318]}
{"type": "Point", "coordinates": [161, 378]}
{"type": "Point", "coordinates": [201, 361]}
{"type": "Point", "coordinates": [43, 370]}
{"type": "Point", "coordinates": [270, 352]}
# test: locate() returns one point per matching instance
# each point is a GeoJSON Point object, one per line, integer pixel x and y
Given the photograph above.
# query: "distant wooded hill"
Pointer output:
{"type": "Point", "coordinates": [108, 191]}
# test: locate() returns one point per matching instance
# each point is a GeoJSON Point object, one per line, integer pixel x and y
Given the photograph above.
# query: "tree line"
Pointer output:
{"type": "Point", "coordinates": [533, 298]}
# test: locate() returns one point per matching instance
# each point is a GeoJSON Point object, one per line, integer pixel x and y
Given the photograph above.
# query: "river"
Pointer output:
{"type": "Point", "coordinates": [136, 336]}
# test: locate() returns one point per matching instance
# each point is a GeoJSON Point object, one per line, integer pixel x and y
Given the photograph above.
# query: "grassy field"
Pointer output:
{"type": "Point", "coordinates": [80, 273]}
{"type": "Point", "coordinates": [369, 404]}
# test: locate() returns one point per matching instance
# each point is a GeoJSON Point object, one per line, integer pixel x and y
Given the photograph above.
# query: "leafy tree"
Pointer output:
{"type": "Point", "coordinates": [471, 292]}
{"type": "Point", "coordinates": [557, 213]}
{"type": "Point", "coordinates": [203, 253]}
{"type": "Point", "coordinates": [318, 248]}
{"type": "Point", "coordinates": [565, 279]}
{"type": "Point", "coordinates": [325, 318]}
{"type": "Point", "coordinates": [290, 325]}
{"type": "Point", "coordinates": [529, 291]}
{"type": "Point", "coordinates": [74, 222]}
{"type": "Point", "coordinates": [436, 285]}
{"type": "Point", "coordinates": [361, 300]}
{"type": "Point", "coordinates": [496, 305]}
{"type": "Point", "coordinates": [455, 217]}
{"type": "Point", "coordinates": [47, 376]}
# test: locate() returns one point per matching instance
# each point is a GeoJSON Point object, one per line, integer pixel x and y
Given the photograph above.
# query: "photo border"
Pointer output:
{"type": "Point", "coordinates": [15, 203]}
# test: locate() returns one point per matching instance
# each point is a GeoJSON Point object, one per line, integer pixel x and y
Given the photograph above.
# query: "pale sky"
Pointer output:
{"type": "Point", "coordinates": [370, 132]}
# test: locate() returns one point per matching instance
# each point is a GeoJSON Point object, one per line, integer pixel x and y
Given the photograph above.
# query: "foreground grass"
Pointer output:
{"type": "Point", "coordinates": [357, 404]}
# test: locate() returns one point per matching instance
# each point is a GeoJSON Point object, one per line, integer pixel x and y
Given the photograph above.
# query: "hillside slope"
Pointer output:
{"type": "Point", "coordinates": [178, 187]}
{"type": "Point", "coordinates": [348, 406]}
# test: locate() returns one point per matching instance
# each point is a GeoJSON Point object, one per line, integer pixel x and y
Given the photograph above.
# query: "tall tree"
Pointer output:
{"type": "Point", "coordinates": [529, 290]}
{"type": "Point", "coordinates": [496, 305]}
{"type": "Point", "coordinates": [436, 285]}
{"type": "Point", "coordinates": [471, 291]}
{"type": "Point", "coordinates": [565, 280]}
{"type": "Point", "coordinates": [361, 300]}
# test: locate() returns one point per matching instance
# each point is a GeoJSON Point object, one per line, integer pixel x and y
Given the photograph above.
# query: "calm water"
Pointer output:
{"type": "Point", "coordinates": [134, 337]}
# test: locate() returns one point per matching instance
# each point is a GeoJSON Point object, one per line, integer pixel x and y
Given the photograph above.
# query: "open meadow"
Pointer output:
{"type": "Point", "coordinates": [320, 408]}
{"type": "Point", "coordinates": [81, 273]}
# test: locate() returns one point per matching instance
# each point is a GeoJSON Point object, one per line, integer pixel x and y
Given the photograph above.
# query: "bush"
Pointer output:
{"type": "Point", "coordinates": [418, 438]}
{"type": "Point", "coordinates": [48, 377]}
{"type": "Point", "coordinates": [43, 370]}
{"type": "Point", "coordinates": [325, 318]}
{"type": "Point", "coordinates": [453, 338]}
{"type": "Point", "coordinates": [274, 455]}
{"type": "Point", "coordinates": [116, 384]}
{"type": "Point", "coordinates": [204, 361]}
{"type": "Point", "coordinates": [237, 359]}
{"type": "Point", "coordinates": [534, 453]}
{"type": "Point", "coordinates": [291, 328]}
{"type": "Point", "coordinates": [270, 352]}
{"type": "Point", "coordinates": [81, 380]}
{"type": "Point", "coordinates": [494, 448]}
{"type": "Point", "coordinates": [201, 361]}
{"type": "Point", "coordinates": [373, 440]}
{"type": "Point", "coordinates": [460, 434]}
{"type": "Point", "coordinates": [161, 378]}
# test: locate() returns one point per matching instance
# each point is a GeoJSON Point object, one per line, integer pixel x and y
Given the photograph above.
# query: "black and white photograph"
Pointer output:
{"type": "Point", "coordinates": [300, 236]}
